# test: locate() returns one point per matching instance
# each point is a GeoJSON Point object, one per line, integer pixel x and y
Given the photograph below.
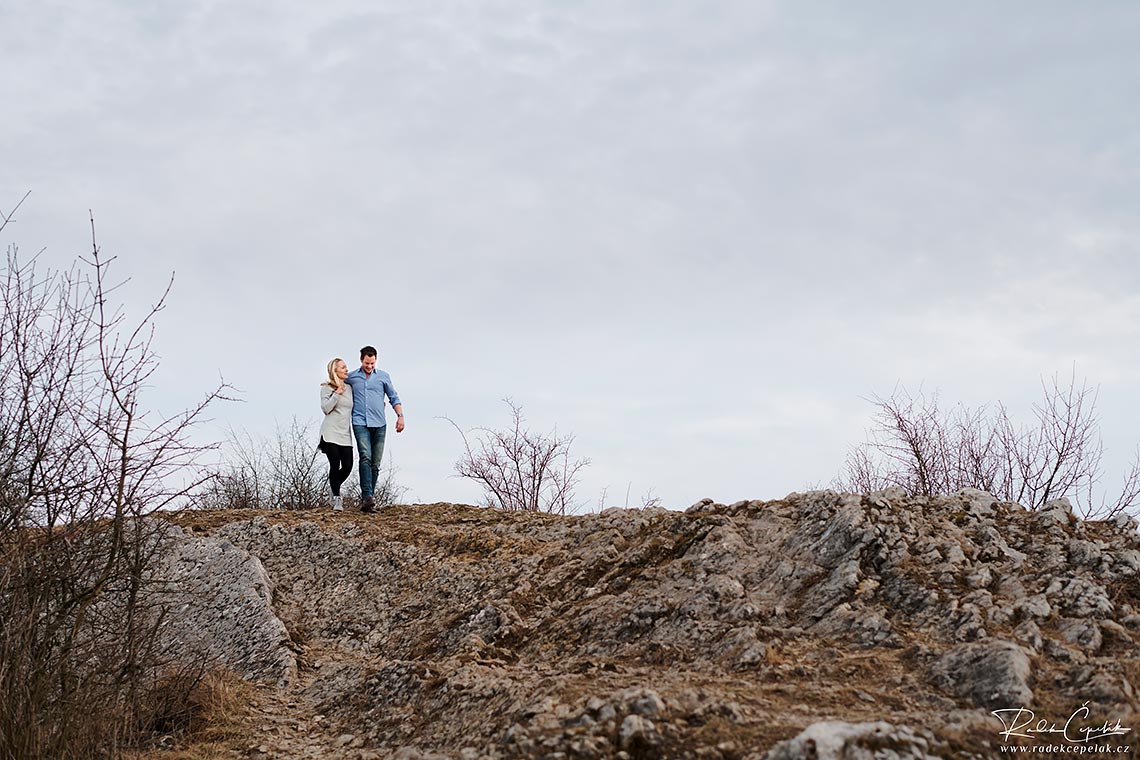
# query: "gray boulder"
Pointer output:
{"type": "Point", "coordinates": [993, 674]}
{"type": "Point", "coordinates": [835, 740]}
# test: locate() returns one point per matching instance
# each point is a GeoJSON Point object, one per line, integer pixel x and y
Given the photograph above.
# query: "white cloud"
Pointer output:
{"type": "Point", "coordinates": [633, 218]}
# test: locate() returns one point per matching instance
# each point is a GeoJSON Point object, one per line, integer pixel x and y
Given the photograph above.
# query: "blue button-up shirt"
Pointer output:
{"type": "Point", "coordinates": [368, 393]}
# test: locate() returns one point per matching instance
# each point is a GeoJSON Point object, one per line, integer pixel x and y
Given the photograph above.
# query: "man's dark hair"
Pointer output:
{"type": "Point", "coordinates": [367, 351]}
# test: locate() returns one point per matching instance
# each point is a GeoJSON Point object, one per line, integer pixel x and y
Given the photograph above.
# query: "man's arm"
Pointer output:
{"type": "Point", "coordinates": [394, 397]}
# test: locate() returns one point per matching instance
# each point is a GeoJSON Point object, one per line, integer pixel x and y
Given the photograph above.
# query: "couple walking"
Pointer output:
{"type": "Point", "coordinates": [353, 403]}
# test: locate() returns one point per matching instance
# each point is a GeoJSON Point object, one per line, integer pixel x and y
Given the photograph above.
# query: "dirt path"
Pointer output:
{"type": "Point", "coordinates": [285, 724]}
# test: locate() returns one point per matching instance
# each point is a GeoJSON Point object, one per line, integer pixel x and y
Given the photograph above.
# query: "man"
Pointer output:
{"type": "Point", "coordinates": [369, 422]}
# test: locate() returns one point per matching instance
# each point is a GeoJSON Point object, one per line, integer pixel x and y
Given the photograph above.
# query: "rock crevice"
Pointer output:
{"type": "Point", "coordinates": [722, 631]}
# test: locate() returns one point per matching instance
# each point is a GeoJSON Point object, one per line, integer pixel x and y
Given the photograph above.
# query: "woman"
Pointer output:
{"type": "Point", "coordinates": [336, 430]}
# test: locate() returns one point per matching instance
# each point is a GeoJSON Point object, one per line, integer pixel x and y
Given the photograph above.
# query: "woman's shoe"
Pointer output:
{"type": "Point", "coordinates": [338, 504]}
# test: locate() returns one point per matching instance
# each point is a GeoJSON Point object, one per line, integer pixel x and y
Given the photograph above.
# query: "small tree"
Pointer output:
{"type": "Point", "coordinates": [81, 462]}
{"type": "Point", "coordinates": [521, 470]}
{"type": "Point", "coordinates": [925, 450]}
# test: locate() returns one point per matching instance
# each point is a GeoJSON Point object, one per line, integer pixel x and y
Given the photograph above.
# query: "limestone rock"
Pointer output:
{"type": "Point", "coordinates": [440, 628]}
{"type": "Point", "coordinates": [994, 674]}
{"type": "Point", "coordinates": [834, 740]}
{"type": "Point", "coordinates": [220, 602]}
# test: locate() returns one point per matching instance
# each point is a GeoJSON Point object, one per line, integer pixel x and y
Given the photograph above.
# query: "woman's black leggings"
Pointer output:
{"type": "Point", "coordinates": [340, 464]}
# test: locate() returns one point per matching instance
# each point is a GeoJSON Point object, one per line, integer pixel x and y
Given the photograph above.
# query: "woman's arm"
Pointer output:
{"type": "Point", "coordinates": [328, 399]}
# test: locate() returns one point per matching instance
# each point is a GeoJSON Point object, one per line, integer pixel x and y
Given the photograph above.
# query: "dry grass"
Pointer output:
{"type": "Point", "coordinates": [222, 700]}
{"type": "Point", "coordinates": [404, 522]}
{"type": "Point", "coordinates": [212, 722]}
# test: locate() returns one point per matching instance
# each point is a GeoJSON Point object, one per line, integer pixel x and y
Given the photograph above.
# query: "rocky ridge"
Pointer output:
{"type": "Point", "coordinates": [816, 626]}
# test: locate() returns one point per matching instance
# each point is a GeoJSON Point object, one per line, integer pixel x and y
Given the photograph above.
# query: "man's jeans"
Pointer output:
{"type": "Point", "coordinates": [370, 445]}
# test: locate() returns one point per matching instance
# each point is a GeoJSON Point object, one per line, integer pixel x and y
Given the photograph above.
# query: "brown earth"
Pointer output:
{"type": "Point", "coordinates": [440, 630]}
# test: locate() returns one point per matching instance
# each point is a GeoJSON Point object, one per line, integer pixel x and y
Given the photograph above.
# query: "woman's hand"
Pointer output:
{"type": "Point", "coordinates": [340, 389]}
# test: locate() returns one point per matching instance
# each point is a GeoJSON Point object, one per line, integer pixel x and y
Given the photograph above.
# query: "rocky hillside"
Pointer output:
{"type": "Point", "coordinates": [822, 625]}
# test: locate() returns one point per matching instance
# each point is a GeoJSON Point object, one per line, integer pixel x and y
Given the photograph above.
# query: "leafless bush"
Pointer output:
{"type": "Point", "coordinates": [241, 480]}
{"type": "Point", "coordinates": [925, 450]}
{"type": "Point", "coordinates": [520, 470]}
{"type": "Point", "coordinates": [648, 500]}
{"type": "Point", "coordinates": [277, 472]}
{"type": "Point", "coordinates": [283, 471]}
{"type": "Point", "coordinates": [81, 462]}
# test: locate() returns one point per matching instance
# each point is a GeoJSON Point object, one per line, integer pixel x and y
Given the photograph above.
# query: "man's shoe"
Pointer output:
{"type": "Point", "coordinates": [368, 506]}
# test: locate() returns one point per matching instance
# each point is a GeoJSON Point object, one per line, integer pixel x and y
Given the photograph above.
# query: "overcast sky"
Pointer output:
{"type": "Point", "coordinates": [697, 235]}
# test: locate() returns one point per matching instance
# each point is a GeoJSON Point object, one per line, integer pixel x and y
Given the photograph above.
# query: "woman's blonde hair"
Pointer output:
{"type": "Point", "coordinates": [334, 381]}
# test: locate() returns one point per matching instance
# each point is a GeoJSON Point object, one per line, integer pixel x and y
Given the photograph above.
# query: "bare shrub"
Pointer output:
{"type": "Point", "coordinates": [521, 470]}
{"type": "Point", "coordinates": [926, 450]}
{"type": "Point", "coordinates": [648, 500]}
{"type": "Point", "coordinates": [81, 462]}
{"type": "Point", "coordinates": [284, 471]}
{"type": "Point", "coordinates": [240, 481]}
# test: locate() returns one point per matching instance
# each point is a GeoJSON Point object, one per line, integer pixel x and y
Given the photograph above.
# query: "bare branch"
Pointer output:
{"type": "Point", "coordinates": [917, 446]}
{"type": "Point", "coordinates": [519, 469]}
{"type": "Point", "coordinates": [8, 217]}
